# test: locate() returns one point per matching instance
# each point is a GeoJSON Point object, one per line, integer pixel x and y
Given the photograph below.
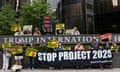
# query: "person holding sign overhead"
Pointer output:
{"type": "Point", "coordinates": [60, 28]}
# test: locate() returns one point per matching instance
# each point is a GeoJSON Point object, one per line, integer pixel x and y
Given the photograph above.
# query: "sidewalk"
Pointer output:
{"type": "Point", "coordinates": [70, 70]}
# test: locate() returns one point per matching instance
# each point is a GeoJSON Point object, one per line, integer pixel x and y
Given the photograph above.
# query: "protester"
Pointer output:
{"type": "Point", "coordinates": [37, 32]}
{"type": "Point", "coordinates": [79, 46]}
{"type": "Point", "coordinates": [18, 33]}
{"type": "Point", "coordinates": [94, 44]}
{"type": "Point", "coordinates": [6, 57]}
{"type": "Point", "coordinates": [115, 46]}
{"type": "Point", "coordinates": [19, 56]}
{"type": "Point", "coordinates": [31, 62]}
{"type": "Point", "coordinates": [60, 47]}
{"type": "Point", "coordinates": [75, 31]}
{"type": "Point", "coordinates": [59, 32]}
{"type": "Point", "coordinates": [107, 45]}
{"type": "Point", "coordinates": [48, 31]}
{"type": "Point", "coordinates": [28, 33]}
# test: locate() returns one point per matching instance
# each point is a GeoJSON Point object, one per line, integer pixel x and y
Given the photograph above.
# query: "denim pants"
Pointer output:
{"type": "Point", "coordinates": [31, 62]}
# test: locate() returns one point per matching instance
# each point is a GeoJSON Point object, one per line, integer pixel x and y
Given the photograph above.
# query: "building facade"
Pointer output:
{"type": "Point", "coordinates": [70, 12]}
{"type": "Point", "coordinates": [79, 13]}
{"type": "Point", "coordinates": [107, 16]}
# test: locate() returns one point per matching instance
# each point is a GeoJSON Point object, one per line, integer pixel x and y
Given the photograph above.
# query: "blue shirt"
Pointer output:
{"type": "Point", "coordinates": [94, 45]}
{"type": "Point", "coordinates": [60, 48]}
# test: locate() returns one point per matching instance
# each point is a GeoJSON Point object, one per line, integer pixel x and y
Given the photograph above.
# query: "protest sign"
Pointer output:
{"type": "Point", "coordinates": [31, 52]}
{"type": "Point", "coordinates": [17, 49]}
{"type": "Point", "coordinates": [75, 58]}
{"type": "Point", "coordinates": [60, 26]}
{"type": "Point", "coordinates": [52, 44]}
{"type": "Point", "coordinates": [6, 45]}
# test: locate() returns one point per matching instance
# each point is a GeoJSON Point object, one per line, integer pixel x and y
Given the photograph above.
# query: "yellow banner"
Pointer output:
{"type": "Point", "coordinates": [6, 45]}
{"type": "Point", "coordinates": [3, 46]}
{"type": "Point", "coordinates": [31, 52]}
{"type": "Point", "coordinates": [52, 44]}
{"type": "Point", "coordinates": [16, 27]}
{"type": "Point", "coordinates": [60, 26]}
{"type": "Point", "coordinates": [17, 49]}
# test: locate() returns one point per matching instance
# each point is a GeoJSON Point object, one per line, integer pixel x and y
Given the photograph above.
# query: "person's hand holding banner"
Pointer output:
{"type": "Point", "coordinates": [17, 49]}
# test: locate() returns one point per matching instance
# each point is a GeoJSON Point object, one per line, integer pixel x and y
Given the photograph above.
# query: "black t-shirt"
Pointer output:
{"type": "Point", "coordinates": [20, 54]}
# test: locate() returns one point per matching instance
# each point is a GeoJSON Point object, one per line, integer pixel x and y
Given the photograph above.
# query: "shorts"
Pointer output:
{"type": "Point", "coordinates": [18, 57]}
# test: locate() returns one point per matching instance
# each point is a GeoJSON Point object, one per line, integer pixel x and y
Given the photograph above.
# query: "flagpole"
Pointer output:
{"type": "Point", "coordinates": [61, 11]}
{"type": "Point", "coordinates": [17, 5]}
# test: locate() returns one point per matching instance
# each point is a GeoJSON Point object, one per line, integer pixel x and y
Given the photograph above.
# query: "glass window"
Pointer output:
{"type": "Point", "coordinates": [89, 6]}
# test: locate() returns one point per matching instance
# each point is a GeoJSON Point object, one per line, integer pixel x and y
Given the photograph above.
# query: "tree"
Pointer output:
{"type": "Point", "coordinates": [7, 19]}
{"type": "Point", "coordinates": [32, 13]}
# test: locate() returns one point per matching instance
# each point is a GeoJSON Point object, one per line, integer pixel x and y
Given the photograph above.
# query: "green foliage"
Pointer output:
{"type": "Point", "coordinates": [41, 48]}
{"type": "Point", "coordinates": [32, 14]}
{"type": "Point", "coordinates": [29, 14]}
{"type": "Point", "coordinates": [7, 18]}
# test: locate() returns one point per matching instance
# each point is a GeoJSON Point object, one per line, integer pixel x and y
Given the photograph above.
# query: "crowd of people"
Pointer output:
{"type": "Point", "coordinates": [18, 57]}
{"type": "Point", "coordinates": [7, 52]}
{"type": "Point", "coordinates": [31, 60]}
{"type": "Point", "coordinates": [47, 31]}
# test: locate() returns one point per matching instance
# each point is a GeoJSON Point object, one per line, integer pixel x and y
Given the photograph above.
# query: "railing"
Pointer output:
{"type": "Point", "coordinates": [65, 39]}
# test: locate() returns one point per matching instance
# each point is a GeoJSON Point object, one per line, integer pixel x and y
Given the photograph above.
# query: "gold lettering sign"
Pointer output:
{"type": "Point", "coordinates": [60, 26]}
{"type": "Point", "coordinates": [52, 44]}
{"type": "Point", "coordinates": [17, 49]}
{"type": "Point", "coordinates": [31, 52]}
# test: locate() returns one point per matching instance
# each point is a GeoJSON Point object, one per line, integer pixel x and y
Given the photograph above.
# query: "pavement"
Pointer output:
{"type": "Point", "coordinates": [70, 70]}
